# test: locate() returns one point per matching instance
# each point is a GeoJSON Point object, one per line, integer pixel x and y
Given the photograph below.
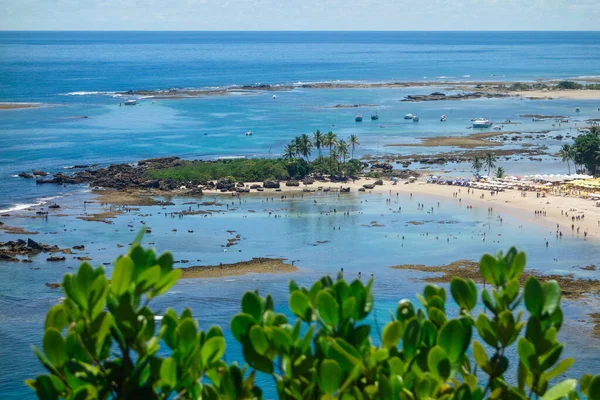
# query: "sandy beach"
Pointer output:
{"type": "Point", "coordinates": [576, 94]}
{"type": "Point", "coordinates": [15, 106]}
{"type": "Point", "coordinates": [509, 201]}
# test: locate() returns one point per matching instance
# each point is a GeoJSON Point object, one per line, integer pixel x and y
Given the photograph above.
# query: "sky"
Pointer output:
{"type": "Point", "coordinates": [394, 15]}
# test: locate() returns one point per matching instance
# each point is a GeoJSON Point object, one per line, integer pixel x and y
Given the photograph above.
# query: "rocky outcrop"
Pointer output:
{"type": "Point", "coordinates": [56, 258]}
{"type": "Point", "coordinates": [369, 186]}
{"type": "Point", "coordinates": [271, 185]}
{"type": "Point", "coordinates": [437, 96]}
{"type": "Point", "coordinates": [26, 175]}
{"type": "Point", "coordinates": [292, 183]}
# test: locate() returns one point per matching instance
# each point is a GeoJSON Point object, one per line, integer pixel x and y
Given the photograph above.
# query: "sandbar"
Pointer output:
{"type": "Point", "coordinates": [256, 265]}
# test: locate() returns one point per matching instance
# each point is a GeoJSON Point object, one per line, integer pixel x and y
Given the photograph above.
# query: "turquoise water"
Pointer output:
{"type": "Point", "coordinates": [65, 70]}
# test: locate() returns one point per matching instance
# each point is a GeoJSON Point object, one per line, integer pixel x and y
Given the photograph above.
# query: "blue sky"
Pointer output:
{"type": "Point", "coordinates": [299, 15]}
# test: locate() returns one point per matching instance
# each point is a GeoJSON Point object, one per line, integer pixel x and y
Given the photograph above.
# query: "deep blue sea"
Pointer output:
{"type": "Point", "coordinates": [74, 76]}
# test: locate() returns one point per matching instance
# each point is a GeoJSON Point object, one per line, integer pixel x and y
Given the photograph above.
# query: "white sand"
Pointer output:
{"type": "Point", "coordinates": [561, 94]}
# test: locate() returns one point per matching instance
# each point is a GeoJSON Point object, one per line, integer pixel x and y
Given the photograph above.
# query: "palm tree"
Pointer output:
{"type": "Point", "coordinates": [305, 145]}
{"type": "Point", "coordinates": [566, 153]}
{"type": "Point", "coordinates": [500, 172]}
{"type": "Point", "coordinates": [490, 162]}
{"type": "Point", "coordinates": [330, 141]}
{"type": "Point", "coordinates": [342, 149]}
{"type": "Point", "coordinates": [298, 145]}
{"type": "Point", "coordinates": [318, 140]}
{"type": "Point", "coordinates": [476, 164]}
{"type": "Point", "coordinates": [289, 151]}
{"type": "Point", "coordinates": [353, 142]}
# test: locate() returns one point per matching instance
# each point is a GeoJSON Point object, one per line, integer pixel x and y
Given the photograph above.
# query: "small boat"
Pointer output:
{"type": "Point", "coordinates": [408, 116]}
{"type": "Point", "coordinates": [249, 133]}
{"type": "Point", "coordinates": [565, 120]}
{"type": "Point", "coordinates": [497, 128]}
{"type": "Point", "coordinates": [130, 102]}
{"type": "Point", "coordinates": [443, 118]}
{"type": "Point", "coordinates": [507, 121]}
{"type": "Point", "coordinates": [374, 117]}
{"type": "Point", "coordinates": [274, 97]}
{"type": "Point", "coordinates": [358, 118]}
{"type": "Point", "coordinates": [538, 119]}
{"type": "Point", "coordinates": [482, 123]}
{"type": "Point", "coordinates": [415, 119]}
{"type": "Point", "coordinates": [577, 110]}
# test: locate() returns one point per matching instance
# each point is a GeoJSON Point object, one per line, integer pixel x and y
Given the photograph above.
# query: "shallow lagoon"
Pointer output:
{"type": "Point", "coordinates": [356, 246]}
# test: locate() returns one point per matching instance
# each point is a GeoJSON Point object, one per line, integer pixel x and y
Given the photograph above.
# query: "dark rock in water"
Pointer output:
{"type": "Point", "coordinates": [25, 175]}
{"type": "Point", "coordinates": [40, 173]}
{"type": "Point", "coordinates": [53, 285]}
{"type": "Point", "coordinates": [369, 186]}
{"type": "Point", "coordinates": [362, 189]}
{"type": "Point", "coordinates": [242, 190]}
{"type": "Point", "coordinates": [79, 247]}
{"type": "Point", "coordinates": [56, 258]}
{"type": "Point", "coordinates": [271, 185]}
{"type": "Point", "coordinates": [8, 258]}
{"type": "Point", "coordinates": [54, 206]}
{"type": "Point", "coordinates": [345, 190]}
{"type": "Point", "coordinates": [378, 182]}
{"type": "Point", "coordinates": [33, 245]}
{"type": "Point", "coordinates": [292, 183]}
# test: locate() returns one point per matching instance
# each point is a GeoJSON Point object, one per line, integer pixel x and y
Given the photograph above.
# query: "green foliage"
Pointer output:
{"type": "Point", "coordinates": [586, 149]}
{"type": "Point", "coordinates": [569, 85]}
{"type": "Point", "coordinates": [246, 170]}
{"type": "Point", "coordinates": [103, 341]}
{"type": "Point", "coordinates": [500, 172]}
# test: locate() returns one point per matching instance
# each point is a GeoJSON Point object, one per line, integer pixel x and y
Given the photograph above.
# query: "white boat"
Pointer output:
{"type": "Point", "coordinates": [482, 123]}
{"type": "Point", "coordinates": [130, 102]}
{"type": "Point", "coordinates": [274, 97]}
{"type": "Point", "coordinates": [415, 119]}
{"type": "Point", "coordinates": [538, 119]}
{"type": "Point", "coordinates": [565, 120]}
{"type": "Point", "coordinates": [497, 127]}
{"type": "Point", "coordinates": [408, 116]}
{"type": "Point", "coordinates": [249, 133]}
{"type": "Point", "coordinates": [443, 118]}
{"type": "Point", "coordinates": [358, 118]}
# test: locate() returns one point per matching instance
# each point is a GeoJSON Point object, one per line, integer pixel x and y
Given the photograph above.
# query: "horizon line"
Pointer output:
{"type": "Point", "coordinates": [300, 31]}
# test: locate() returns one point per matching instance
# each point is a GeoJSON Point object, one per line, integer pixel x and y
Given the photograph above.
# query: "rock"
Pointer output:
{"type": "Point", "coordinates": [271, 185]}
{"type": "Point", "coordinates": [255, 186]}
{"type": "Point", "coordinates": [308, 181]}
{"type": "Point", "coordinates": [26, 175]}
{"type": "Point", "coordinates": [53, 285]}
{"type": "Point", "coordinates": [55, 258]}
{"type": "Point", "coordinates": [33, 245]}
{"type": "Point", "coordinates": [345, 190]}
{"type": "Point", "coordinates": [292, 183]}
{"type": "Point", "coordinates": [54, 206]}
{"type": "Point", "coordinates": [368, 186]}
{"type": "Point", "coordinates": [79, 247]}
{"type": "Point", "coordinates": [362, 189]}
{"type": "Point", "coordinates": [8, 258]}
{"type": "Point", "coordinates": [378, 182]}
{"type": "Point", "coordinates": [40, 173]}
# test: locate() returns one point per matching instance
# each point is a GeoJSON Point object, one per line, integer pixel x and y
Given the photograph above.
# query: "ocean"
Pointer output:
{"type": "Point", "coordinates": [75, 76]}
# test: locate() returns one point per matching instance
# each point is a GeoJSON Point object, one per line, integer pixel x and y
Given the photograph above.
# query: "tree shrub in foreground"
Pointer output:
{"type": "Point", "coordinates": [102, 341]}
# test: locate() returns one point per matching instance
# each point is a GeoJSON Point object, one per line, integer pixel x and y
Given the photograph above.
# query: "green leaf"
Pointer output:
{"type": "Point", "coordinates": [251, 304]}
{"type": "Point", "coordinates": [392, 333]}
{"type": "Point", "coordinates": [148, 278]}
{"type": "Point", "coordinates": [212, 350]}
{"type": "Point", "coordinates": [330, 375]}
{"type": "Point", "coordinates": [534, 296]}
{"type": "Point", "coordinates": [561, 390]}
{"type": "Point", "coordinates": [187, 335]}
{"type": "Point", "coordinates": [55, 347]}
{"type": "Point", "coordinates": [551, 357]}
{"type": "Point", "coordinates": [122, 275]}
{"type": "Point", "coordinates": [454, 338]}
{"type": "Point", "coordinates": [168, 372]}
{"type": "Point", "coordinates": [438, 362]}
{"type": "Point", "coordinates": [552, 293]}
{"type": "Point", "coordinates": [45, 388]}
{"type": "Point", "coordinates": [487, 266]}
{"type": "Point", "coordinates": [480, 356]}
{"type": "Point", "coordinates": [412, 337]}
{"type": "Point", "coordinates": [560, 368]}
{"type": "Point", "coordinates": [594, 388]}
{"type": "Point", "coordinates": [240, 324]}
{"type": "Point", "coordinates": [328, 308]}
{"type": "Point", "coordinates": [299, 304]}
{"type": "Point", "coordinates": [463, 294]}
{"type": "Point", "coordinates": [405, 310]}
{"type": "Point", "coordinates": [259, 340]}
{"type": "Point", "coordinates": [527, 355]}
{"type": "Point", "coordinates": [517, 266]}
{"type": "Point", "coordinates": [56, 318]}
